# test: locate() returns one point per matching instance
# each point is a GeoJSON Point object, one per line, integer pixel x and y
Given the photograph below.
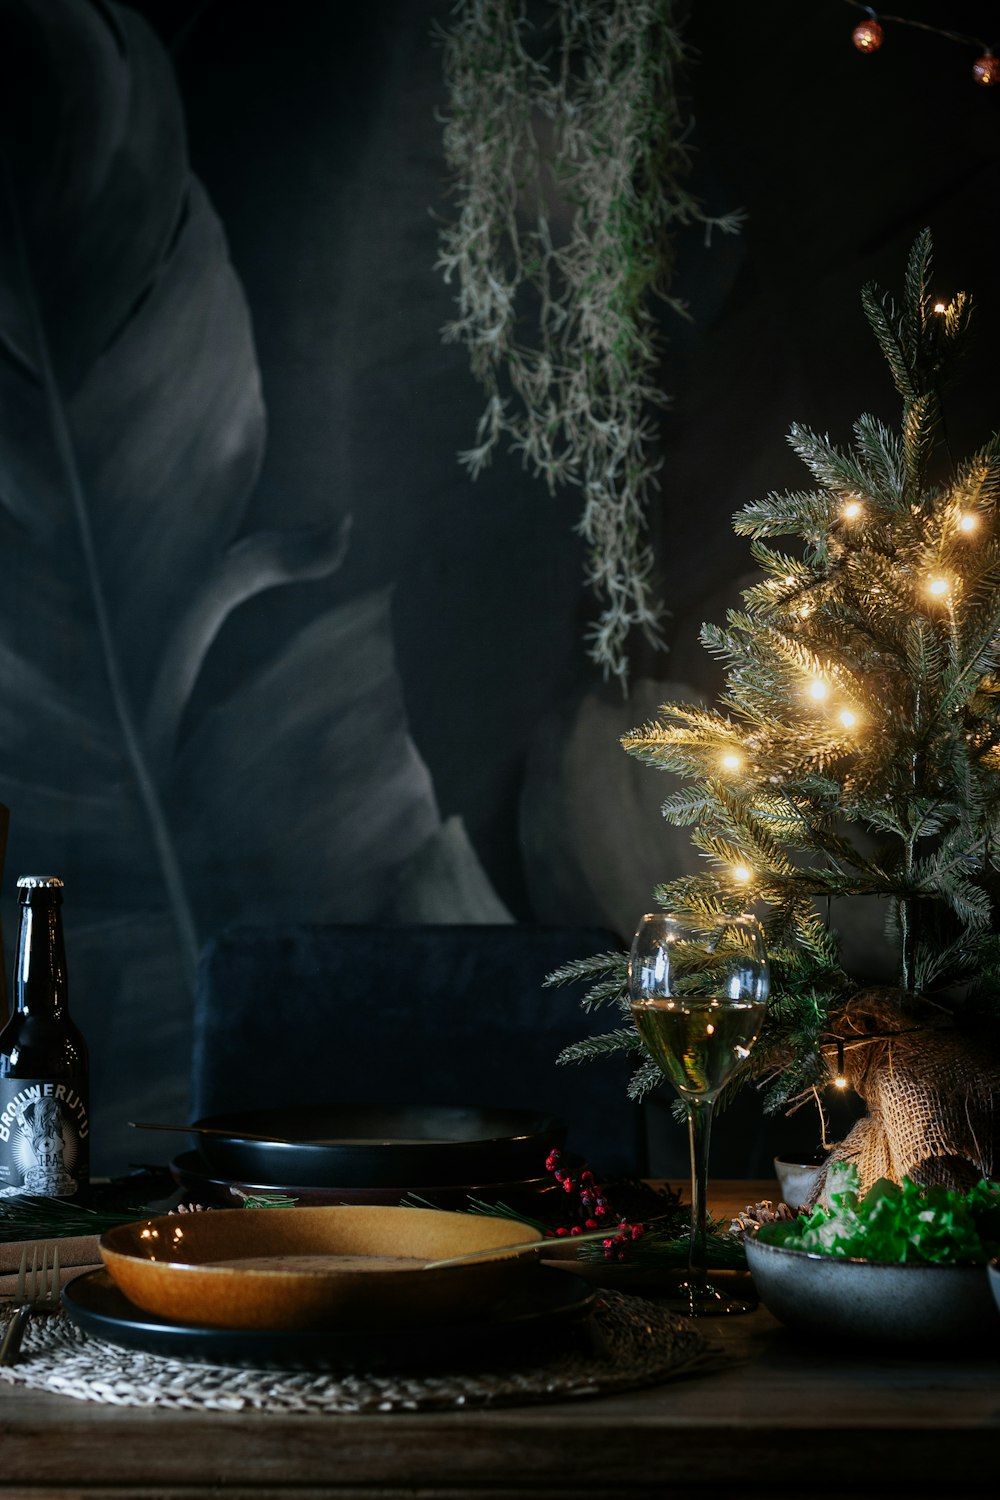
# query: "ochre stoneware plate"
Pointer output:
{"type": "Point", "coordinates": [348, 1266]}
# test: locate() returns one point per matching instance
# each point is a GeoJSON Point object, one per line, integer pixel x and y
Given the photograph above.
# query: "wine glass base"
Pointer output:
{"type": "Point", "coordinates": [701, 1300]}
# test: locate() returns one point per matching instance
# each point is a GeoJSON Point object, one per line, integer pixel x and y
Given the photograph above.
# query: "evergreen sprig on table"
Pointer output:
{"type": "Point", "coordinates": [27, 1217]}
{"type": "Point", "coordinates": [855, 750]}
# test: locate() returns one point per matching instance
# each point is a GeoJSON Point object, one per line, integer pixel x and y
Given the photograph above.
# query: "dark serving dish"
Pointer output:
{"type": "Point", "coordinates": [531, 1196]}
{"type": "Point", "coordinates": [377, 1146]}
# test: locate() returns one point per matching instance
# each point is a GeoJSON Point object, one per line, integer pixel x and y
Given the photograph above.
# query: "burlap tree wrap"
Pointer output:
{"type": "Point", "coordinates": [930, 1093]}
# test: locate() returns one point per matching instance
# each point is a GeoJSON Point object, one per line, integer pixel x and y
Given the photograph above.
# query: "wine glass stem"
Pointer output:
{"type": "Point", "coordinates": [699, 1131]}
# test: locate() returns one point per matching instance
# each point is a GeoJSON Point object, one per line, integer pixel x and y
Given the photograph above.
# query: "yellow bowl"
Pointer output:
{"type": "Point", "coordinates": [348, 1266]}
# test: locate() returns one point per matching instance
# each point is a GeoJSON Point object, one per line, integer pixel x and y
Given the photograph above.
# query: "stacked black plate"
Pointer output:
{"type": "Point", "coordinates": [367, 1153]}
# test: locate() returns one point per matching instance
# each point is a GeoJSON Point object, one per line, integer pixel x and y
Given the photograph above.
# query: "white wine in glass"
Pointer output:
{"type": "Point", "coordinates": [698, 991]}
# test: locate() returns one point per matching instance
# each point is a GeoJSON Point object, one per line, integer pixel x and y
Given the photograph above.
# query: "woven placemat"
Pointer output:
{"type": "Point", "coordinates": [627, 1342]}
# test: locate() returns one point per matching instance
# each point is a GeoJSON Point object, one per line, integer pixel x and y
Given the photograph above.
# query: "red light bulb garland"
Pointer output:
{"type": "Point", "coordinates": [869, 35]}
{"type": "Point", "coordinates": [986, 69]}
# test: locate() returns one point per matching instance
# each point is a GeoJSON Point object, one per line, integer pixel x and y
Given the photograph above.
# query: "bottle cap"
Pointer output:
{"type": "Point", "coordinates": [31, 882]}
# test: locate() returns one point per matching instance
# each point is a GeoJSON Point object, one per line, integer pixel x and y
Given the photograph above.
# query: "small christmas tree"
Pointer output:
{"type": "Point", "coordinates": [855, 752]}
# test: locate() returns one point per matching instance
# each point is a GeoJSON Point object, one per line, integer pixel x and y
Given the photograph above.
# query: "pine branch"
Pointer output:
{"type": "Point", "coordinates": [597, 966]}
{"type": "Point", "coordinates": [884, 469]}
{"type": "Point", "coordinates": [623, 1039]}
{"type": "Point", "coordinates": [795, 514]}
{"type": "Point", "coordinates": [840, 474]}
{"type": "Point", "coordinates": [644, 1080]}
{"type": "Point", "coordinates": [687, 804]}
{"type": "Point", "coordinates": [921, 421]}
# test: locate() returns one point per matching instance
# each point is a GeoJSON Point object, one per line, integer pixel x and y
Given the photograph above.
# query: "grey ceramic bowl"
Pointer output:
{"type": "Point", "coordinates": [796, 1179]}
{"type": "Point", "coordinates": [872, 1301]}
{"type": "Point", "coordinates": [994, 1270]}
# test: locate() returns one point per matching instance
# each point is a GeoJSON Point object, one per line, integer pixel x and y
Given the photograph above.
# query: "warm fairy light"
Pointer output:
{"type": "Point", "coordinates": [790, 581]}
{"type": "Point", "coordinates": [986, 70]}
{"type": "Point", "coordinates": [710, 1029]}
{"type": "Point", "coordinates": [940, 307]}
{"type": "Point", "coordinates": [848, 718]}
{"type": "Point", "coordinates": [818, 689]}
{"type": "Point", "coordinates": [852, 510]}
{"type": "Point", "coordinates": [938, 586]}
{"type": "Point", "coordinates": [742, 874]}
{"type": "Point", "coordinates": [840, 1079]}
{"type": "Point", "coordinates": [732, 761]}
{"type": "Point", "coordinates": [867, 36]}
{"type": "Point", "coordinates": [967, 521]}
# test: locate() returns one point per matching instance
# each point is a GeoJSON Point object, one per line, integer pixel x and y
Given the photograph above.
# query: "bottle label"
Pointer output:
{"type": "Point", "coordinates": [43, 1134]}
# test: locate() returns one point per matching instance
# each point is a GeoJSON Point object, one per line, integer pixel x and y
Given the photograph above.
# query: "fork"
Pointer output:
{"type": "Point", "coordinates": [37, 1290]}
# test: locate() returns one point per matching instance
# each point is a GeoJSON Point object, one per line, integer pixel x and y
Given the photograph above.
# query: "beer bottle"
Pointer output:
{"type": "Point", "coordinates": [44, 1146]}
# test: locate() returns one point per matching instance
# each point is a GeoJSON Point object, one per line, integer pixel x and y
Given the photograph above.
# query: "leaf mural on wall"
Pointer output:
{"type": "Point", "coordinates": [131, 432]}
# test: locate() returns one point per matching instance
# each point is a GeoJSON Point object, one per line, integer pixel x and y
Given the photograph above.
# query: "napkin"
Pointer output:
{"type": "Point", "coordinates": [77, 1254]}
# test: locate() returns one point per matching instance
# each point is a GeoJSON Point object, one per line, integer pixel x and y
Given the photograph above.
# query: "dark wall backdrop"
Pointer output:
{"type": "Point", "coordinates": [450, 629]}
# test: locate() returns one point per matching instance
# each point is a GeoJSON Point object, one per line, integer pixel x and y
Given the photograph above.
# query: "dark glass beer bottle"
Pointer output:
{"type": "Point", "coordinates": [44, 1144]}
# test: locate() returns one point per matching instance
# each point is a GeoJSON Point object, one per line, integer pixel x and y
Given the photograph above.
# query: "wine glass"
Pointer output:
{"type": "Point", "coordinates": [698, 990]}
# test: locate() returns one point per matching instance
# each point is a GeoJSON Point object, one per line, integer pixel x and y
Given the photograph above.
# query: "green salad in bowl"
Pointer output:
{"type": "Point", "coordinates": [900, 1223]}
{"type": "Point", "coordinates": [898, 1264]}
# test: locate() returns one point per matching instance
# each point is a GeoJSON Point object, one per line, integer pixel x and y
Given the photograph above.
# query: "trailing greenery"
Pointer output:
{"type": "Point", "coordinates": [566, 139]}
{"type": "Point", "coordinates": [855, 750]}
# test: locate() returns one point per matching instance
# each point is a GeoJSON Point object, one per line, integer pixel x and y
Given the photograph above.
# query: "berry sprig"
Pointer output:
{"type": "Point", "coordinates": [589, 1209]}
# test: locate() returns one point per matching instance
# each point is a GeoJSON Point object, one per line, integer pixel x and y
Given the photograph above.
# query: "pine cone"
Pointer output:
{"type": "Point", "coordinates": [750, 1219]}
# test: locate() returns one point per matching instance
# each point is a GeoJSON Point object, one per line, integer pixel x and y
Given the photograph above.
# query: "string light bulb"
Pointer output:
{"type": "Point", "coordinates": [852, 510]}
{"type": "Point", "coordinates": [840, 1078]}
{"type": "Point", "coordinates": [742, 873]}
{"type": "Point", "coordinates": [868, 36]}
{"type": "Point", "coordinates": [967, 521]}
{"type": "Point", "coordinates": [731, 761]}
{"type": "Point", "coordinates": [848, 718]}
{"type": "Point", "coordinates": [818, 689]}
{"type": "Point", "coordinates": [986, 69]}
{"type": "Point", "coordinates": [938, 586]}
{"type": "Point", "coordinates": [940, 308]}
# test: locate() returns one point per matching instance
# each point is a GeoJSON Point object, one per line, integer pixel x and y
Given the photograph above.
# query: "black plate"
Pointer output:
{"type": "Point", "coordinates": [541, 1313]}
{"type": "Point", "coordinates": [365, 1145]}
{"type": "Point", "coordinates": [531, 1196]}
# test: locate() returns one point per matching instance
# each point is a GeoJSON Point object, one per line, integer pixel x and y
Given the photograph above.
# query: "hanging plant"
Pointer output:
{"type": "Point", "coordinates": [567, 142]}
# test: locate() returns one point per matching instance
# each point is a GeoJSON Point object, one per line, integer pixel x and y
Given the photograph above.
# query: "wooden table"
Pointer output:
{"type": "Point", "coordinates": [782, 1418]}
